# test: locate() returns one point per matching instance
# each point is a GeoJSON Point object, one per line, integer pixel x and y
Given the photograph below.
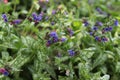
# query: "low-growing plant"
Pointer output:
{"type": "Point", "coordinates": [59, 40]}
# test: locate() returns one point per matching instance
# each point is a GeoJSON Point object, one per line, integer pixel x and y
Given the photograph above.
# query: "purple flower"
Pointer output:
{"type": "Point", "coordinates": [55, 39]}
{"type": "Point", "coordinates": [4, 16]}
{"type": "Point", "coordinates": [53, 12]}
{"type": "Point", "coordinates": [99, 23]}
{"type": "Point", "coordinates": [49, 42]}
{"type": "Point", "coordinates": [16, 21]}
{"type": "Point", "coordinates": [6, 73]}
{"type": "Point", "coordinates": [39, 17]}
{"type": "Point", "coordinates": [116, 23]}
{"type": "Point", "coordinates": [53, 34]}
{"type": "Point", "coordinates": [52, 23]}
{"type": "Point", "coordinates": [86, 23]}
{"type": "Point", "coordinates": [41, 14]}
{"type": "Point", "coordinates": [110, 28]}
{"type": "Point", "coordinates": [99, 10]}
{"type": "Point", "coordinates": [71, 32]}
{"type": "Point", "coordinates": [95, 28]}
{"type": "Point", "coordinates": [103, 31]}
{"type": "Point", "coordinates": [34, 15]}
{"type": "Point", "coordinates": [104, 39]}
{"type": "Point", "coordinates": [71, 52]}
{"type": "Point", "coordinates": [6, 20]}
{"type": "Point", "coordinates": [97, 38]}
{"type": "Point", "coordinates": [63, 39]}
{"type": "Point", "coordinates": [91, 33]}
{"type": "Point", "coordinates": [106, 29]}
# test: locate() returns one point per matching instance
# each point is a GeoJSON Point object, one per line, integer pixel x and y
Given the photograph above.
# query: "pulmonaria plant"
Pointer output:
{"type": "Point", "coordinates": [116, 23]}
{"type": "Point", "coordinates": [36, 17]}
{"type": "Point", "coordinates": [71, 52]}
{"type": "Point", "coordinates": [86, 23]}
{"type": "Point", "coordinates": [53, 38]}
{"type": "Point", "coordinates": [4, 16]}
{"type": "Point", "coordinates": [4, 71]}
{"type": "Point", "coordinates": [63, 39]}
{"type": "Point", "coordinates": [17, 21]}
{"type": "Point", "coordinates": [99, 31]}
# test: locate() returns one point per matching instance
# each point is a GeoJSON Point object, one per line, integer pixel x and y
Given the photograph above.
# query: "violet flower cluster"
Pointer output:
{"type": "Point", "coordinates": [53, 38]}
{"type": "Point", "coordinates": [15, 22]}
{"type": "Point", "coordinates": [71, 52]}
{"type": "Point", "coordinates": [4, 71]}
{"type": "Point", "coordinates": [4, 16]}
{"type": "Point", "coordinates": [99, 27]}
{"type": "Point", "coordinates": [36, 17]}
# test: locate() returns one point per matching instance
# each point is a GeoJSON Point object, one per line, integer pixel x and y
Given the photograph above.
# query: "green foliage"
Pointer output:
{"type": "Point", "coordinates": [23, 46]}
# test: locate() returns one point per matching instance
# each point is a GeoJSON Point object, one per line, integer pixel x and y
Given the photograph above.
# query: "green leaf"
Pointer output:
{"type": "Point", "coordinates": [100, 60]}
{"type": "Point", "coordinates": [5, 55]}
{"type": "Point", "coordinates": [76, 25]}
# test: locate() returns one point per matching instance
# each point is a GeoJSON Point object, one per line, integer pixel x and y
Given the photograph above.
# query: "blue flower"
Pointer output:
{"type": "Point", "coordinates": [63, 39]}
{"type": "Point", "coordinates": [106, 29]}
{"type": "Point", "coordinates": [52, 23]}
{"type": "Point", "coordinates": [71, 52]}
{"type": "Point", "coordinates": [116, 23]}
{"type": "Point", "coordinates": [99, 23]}
{"type": "Point", "coordinates": [34, 15]}
{"type": "Point", "coordinates": [53, 34]}
{"type": "Point", "coordinates": [4, 16]}
{"type": "Point", "coordinates": [110, 28]}
{"type": "Point", "coordinates": [86, 23]}
{"type": "Point", "coordinates": [16, 21]}
{"type": "Point", "coordinates": [6, 73]}
{"type": "Point", "coordinates": [97, 38]}
{"type": "Point", "coordinates": [104, 39]}
{"type": "Point", "coordinates": [39, 17]}
{"type": "Point", "coordinates": [53, 12]}
{"type": "Point", "coordinates": [99, 10]}
{"type": "Point", "coordinates": [91, 33]}
{"type": "Point", "coordinates": [49, 42]}
{"type": "Point", "coordinates": [95, 28]}
{"type": "Point", "coordinates": [71, 33]}
{"type": "Point", "coordinates": [55, 39]}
